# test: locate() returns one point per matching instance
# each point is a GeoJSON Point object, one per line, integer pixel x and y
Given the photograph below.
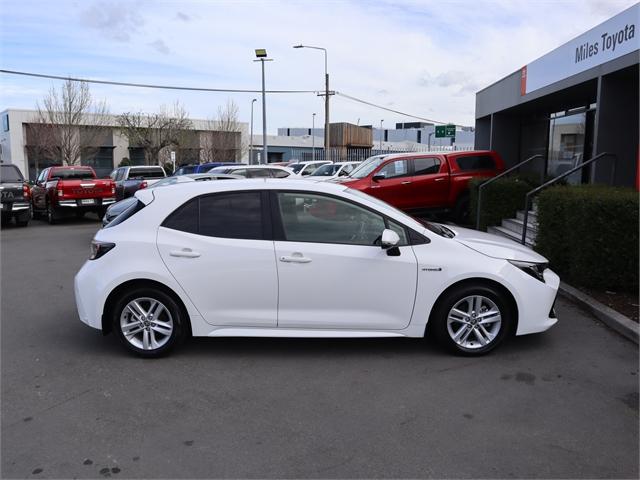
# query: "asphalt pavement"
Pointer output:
{"type": "Point", "coordinates": [76, 405]}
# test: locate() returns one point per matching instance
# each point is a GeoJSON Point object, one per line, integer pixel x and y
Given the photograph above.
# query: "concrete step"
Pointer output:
{"type": "Point", "coordinates": [516, 237]}
{"type": "Point", "coordinates": [516, 226]}
{"type": "Point", "coordinates": [533, 216]}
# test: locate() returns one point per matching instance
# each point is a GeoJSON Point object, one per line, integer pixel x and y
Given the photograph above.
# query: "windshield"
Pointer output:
{"type": "Point", "coordinates": [366, 167]}
{"type": "Point", "coordinates": [297, 167]}
{"type": "Point", "coordinates": [72, 174]}
{"type": "Point", "coordinates": [10, 173]}
{"type": "Point", "coordinates": [327, 170]}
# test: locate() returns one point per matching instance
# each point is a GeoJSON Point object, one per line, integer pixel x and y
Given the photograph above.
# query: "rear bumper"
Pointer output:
{"type": "Point", "coordinates": [9, 208]}
{"type": "Point", "coordinates": [78, 203]}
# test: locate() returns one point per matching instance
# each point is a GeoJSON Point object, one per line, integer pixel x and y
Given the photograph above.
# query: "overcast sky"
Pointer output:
{"type": "Point", "coordinates": [427, 58]}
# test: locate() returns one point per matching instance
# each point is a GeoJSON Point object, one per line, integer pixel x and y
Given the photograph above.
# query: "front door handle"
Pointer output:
{"type": "Point", "coordinates": [439, 179]}
{"type": "Point", "coordinates": [185, 252]}
{"type": "Point", "coordinates": [406, 183]}
{"type": "Point", "coordinates": [296, 257]}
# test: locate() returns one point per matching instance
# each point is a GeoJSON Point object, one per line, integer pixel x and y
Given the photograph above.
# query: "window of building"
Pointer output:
{"type": "Point", "coordinates": [5, 122]}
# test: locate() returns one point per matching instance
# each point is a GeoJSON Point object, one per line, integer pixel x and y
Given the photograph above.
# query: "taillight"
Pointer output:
{"type": "Point", "coordinates": [113, 189]}
{"type": "Point", "coordinates": [143, 185]}
{"type": "Point", "coordinates": [98, 249]}
{"type": "Point", "coordinates": [26, 192]}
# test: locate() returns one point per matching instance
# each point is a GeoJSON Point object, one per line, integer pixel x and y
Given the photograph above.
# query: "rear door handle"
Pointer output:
{"type": "Point", "coordinates": [439, 179]}
{"type": "Point", "coordinates": [185, 252]}
{"type": "Point", "coordinates": [406, 183]}
{"type": "Point", "coordinates": [295, 257]}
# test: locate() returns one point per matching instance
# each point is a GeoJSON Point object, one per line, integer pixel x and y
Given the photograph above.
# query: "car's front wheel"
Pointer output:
{"type": "Point", "coordinates": [473, 320]}
{"type": "Point", "coordinates": [148, 322]}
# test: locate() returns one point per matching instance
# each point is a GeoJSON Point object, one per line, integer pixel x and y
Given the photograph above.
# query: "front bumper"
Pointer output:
{"type": "Point", "coordinates": [536, 303]}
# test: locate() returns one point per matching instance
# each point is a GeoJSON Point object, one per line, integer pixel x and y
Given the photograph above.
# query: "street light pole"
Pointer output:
{"type": "Point", "coordinates": [261, 53]}
{"type": "Point", "coordinates": [381, 134]}
{"type": "Point", "coordinates": [251, 141]}
{"type": "Point", "coordinates": [327, 137]}
{"type": "Point", "coordinates": [313, 137]}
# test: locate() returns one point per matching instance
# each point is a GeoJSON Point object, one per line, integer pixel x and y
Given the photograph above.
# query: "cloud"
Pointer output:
{"type": "Point", "coordinates": [160, 46]}
{"type": "Point", "coordinates": [115, 20]}
{"type": "Point", "coordinates": [183, 16]}
{"type": "Point", "coordinates": [461, 82]}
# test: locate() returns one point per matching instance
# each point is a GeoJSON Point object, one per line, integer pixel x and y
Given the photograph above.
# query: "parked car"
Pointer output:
{"type": "Point", "coordinates": [303, 169]}
{"type": "Point", "coordinates": [219, 259]}
{"type": "Point", "coordinates": [329, 171]}
{"type": "Point", "coordinates": [117, 208]}
{"type": "Point", "coordinates": [62, 190]}
{"type": "Point", "coordinates": [131, 179]}
{"type": "Point", "coordinates": [425, 181]}
{"type": "Point", "coordinates": [202, 167]}
{"type": "Point", "coordinates": [254, 171]}
{"type": "Point", "coordinates": [15, 195]}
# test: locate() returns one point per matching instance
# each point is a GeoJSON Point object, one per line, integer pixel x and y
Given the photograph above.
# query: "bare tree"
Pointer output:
{"type": "Point", "coordinates": [222, 141]}
{"type": "Point", "coordinates": [153, 132]}
{"type": "Point", "coordinates": [70, 123]}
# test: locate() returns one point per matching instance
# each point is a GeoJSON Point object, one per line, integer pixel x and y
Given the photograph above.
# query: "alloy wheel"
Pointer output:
{"type": "Point", "coordinates": [146, 323]}
{"type": "Point", "coordinates": [474, 322]}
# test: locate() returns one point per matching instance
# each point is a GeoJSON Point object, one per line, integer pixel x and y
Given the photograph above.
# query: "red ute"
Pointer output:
{"type": "Point", "coordinates": [425, 181]}
{"type": "Point", "coordinates": [71, 189]}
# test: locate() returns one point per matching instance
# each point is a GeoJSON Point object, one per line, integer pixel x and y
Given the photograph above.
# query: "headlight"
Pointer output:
{"type": "Point", "coordinates": [536, 270]}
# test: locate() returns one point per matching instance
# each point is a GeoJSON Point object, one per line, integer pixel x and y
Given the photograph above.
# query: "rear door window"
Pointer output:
{"type": "Point", "coordinates": [426, 166]}
{"type": "Point", "coordinates": [476, 162]}
{"type": "Point", "coordinates": [223, 215]}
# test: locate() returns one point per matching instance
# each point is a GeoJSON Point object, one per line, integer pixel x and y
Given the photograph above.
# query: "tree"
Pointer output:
{"type": "Point", "coordinates": [69, 123]}
{"type": "Point", "coordinates": [154, 132]}
{"type": "Point", "coordinates": [222, 141]}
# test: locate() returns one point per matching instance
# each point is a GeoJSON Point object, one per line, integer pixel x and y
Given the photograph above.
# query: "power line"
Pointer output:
{"type": "Point", "coordinates": [144, 85]}
{"type": "Point", "coordinates": [359, 100]}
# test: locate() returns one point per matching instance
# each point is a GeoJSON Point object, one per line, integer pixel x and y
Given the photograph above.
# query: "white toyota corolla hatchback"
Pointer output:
{"type": "Point", "coordinates": [285, 258]}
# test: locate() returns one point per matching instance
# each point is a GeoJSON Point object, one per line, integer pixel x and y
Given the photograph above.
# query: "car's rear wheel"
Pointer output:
{"type": "Point", "coordinates": [461, 212]}
{"type": "Point", "coordinates": [148, 322]}
{"type": "Point", "coordinates": [23, 219]}
{"type": "Point", "coordinates": [52, 215]}
{"type": "Point", "coordinates": [473, 320]}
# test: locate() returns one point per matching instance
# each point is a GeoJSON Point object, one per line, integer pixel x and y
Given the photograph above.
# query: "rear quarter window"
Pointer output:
{"type": "Point", "coordinates": [476, 162]}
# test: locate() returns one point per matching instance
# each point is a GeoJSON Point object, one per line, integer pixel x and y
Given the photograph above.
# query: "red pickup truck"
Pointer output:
{"type": "Point", "coordinates": [436, 181]}
{"type": "Point", "coordinates": [60, 190]}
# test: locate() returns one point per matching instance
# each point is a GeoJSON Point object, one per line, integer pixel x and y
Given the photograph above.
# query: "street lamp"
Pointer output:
{"type": "Point", "coordinates": [251, 141]}
{"type": "Point", "coordinates": [327, 142]}
{"type": "Point", "coordinates": [261, 55]}
{"type": "Point", "coordinates": [313, 137]}
{"type": "Point", "coordinates": [381, 134]}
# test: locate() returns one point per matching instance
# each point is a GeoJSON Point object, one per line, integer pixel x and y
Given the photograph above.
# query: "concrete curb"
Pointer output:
{"type": "Point", "coordinates": [614, 320]}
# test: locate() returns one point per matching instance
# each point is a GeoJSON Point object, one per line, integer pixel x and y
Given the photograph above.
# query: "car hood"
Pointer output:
{"type": "Point", "coordinates": [495, 246]}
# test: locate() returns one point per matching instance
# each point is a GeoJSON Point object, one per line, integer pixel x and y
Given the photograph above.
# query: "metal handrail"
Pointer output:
{"type": "Point", "coordinates": [527, 198]}
{"type": "Point", "coordinates": [506, 172]}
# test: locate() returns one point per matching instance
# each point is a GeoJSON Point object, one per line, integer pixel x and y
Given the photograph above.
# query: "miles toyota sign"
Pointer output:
{"type": "Point", "coordinates": [614, 38]}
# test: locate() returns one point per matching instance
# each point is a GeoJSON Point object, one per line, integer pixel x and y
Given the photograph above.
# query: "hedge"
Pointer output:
{"type": "Point", "coordinates": [589, 233]}
{"type": "Point", "coordinates": [500, 199]}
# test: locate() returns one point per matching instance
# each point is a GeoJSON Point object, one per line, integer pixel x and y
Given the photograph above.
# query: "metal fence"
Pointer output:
{"type": "Point", "coordinates": [360, 154]}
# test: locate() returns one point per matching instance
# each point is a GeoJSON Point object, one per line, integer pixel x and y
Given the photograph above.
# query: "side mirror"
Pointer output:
{"type": "Point", "coordinates": [378, 176]}
{"type": "Point", "coordinates": [389, 239]}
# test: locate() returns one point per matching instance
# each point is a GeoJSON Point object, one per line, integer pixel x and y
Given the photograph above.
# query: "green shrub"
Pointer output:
{"type": "Point", "coordinates": [500, 199]}
{"type": "Point", "coordinates": [589, 233]}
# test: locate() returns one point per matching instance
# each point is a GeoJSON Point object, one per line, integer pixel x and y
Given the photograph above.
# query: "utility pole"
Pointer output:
{"type": "Point", "coordinates": [261, 53]}
{"type": "Point", "coordinates": [251, 140]}
{"type": "Point", "coordinates": [327, 92]}
{"type": "Point", "coordinates": [381, 134]}
{"type": "Point", "coordinates": [313, 137]}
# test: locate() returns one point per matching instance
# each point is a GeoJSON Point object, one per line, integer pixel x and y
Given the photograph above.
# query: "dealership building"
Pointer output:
{"type": "Point", "coordinates": [575, 102]}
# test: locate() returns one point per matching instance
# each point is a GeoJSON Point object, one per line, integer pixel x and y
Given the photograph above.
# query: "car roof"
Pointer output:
{"type": "Point", "coordinates": [438, 152]}
{"type": "Point", "coordinates": [275, 167]}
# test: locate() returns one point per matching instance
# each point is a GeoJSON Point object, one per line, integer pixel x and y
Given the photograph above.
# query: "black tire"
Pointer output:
{"type": "Point", "coordinates": [472, 346]}
{"type": "Point", "coordinates": [461, 213]}
{"type": "Point", "coordinates": [52, 215]}
{"type": "Point", "coordinates": [176, 316]}
{"type": "Point", "coordinates": [34, 213]}
{"type": "Point", "coordinates": [79, 214]}
{"type": "Point", "coordinates": [23, 220]}
{"type": "Point", "coordinates": [101, 213]}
